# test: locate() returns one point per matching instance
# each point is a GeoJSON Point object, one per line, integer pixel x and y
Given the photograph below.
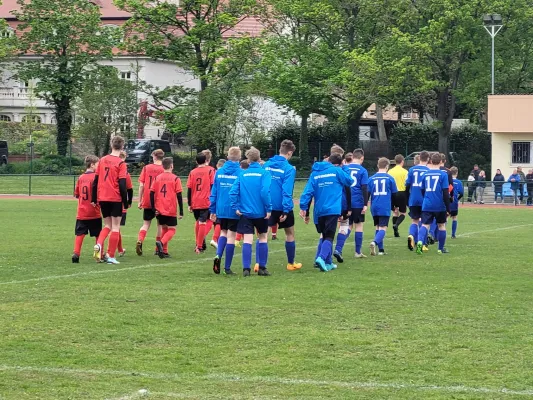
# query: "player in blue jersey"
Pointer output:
{"type": "Point", "coordinates": [458, 193]}
{"type": "Point", "coordinates": [436, 204]}
{"type": "Point", "coordinates": [359, 192]}
{"type": "Point", "coordinates": [382, 192]}
{"type": "Point", "coordinates": [325, 184]}
{"type": "Point", "coordinates": [250, 198]}
{"type": "Point", "coordinates": [281, 189]}
{"type": "Point", "coordinates": [220, 207]}
{"type": "Point", "coordinates": [413, 190]}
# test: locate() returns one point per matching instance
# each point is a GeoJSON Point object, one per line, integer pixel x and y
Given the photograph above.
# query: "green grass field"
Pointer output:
{"type": "Point", "coordinates": [395, 327]}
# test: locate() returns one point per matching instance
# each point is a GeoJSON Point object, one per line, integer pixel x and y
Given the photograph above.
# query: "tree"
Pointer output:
{"type": "Point", "coordinates": [105, 107]}
{"type": "Point", "coordinates": [61, 40]}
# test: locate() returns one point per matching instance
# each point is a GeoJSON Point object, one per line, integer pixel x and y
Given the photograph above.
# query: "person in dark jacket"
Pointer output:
{"type": "Point", "coordinates": [522, 185]}
{"type": "Point", "coordinates": [480, 187]}
{"type": "Point", "coordinates": [515, 185]}
{"type": "Point", "coordinates": [498, 182]}
{"type": "Point", "coordinates": [471, 188]}
{"type": "Point", "coordinates": [529, 183]}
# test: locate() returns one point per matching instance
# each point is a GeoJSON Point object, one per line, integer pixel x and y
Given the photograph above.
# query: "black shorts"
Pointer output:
{"type": "Point", "coordinates": [454, 213]}
{"type": "Point", "coordinates": [428, 217]}
{"type": "Point", "coordinates": [247, 225]}
{"type": "Point", "coordinates": [400, 202]}
{"type": "Point", "coordinates": [168, 221]}
{"type": "Point", "coordinates": [381, 221]}
{"type": "Point", "coordinates": [123, 220]}
{"type": "Point", "coordinates": [227, 224]}
{"type": "Point", "coordinates": [111, 209]}
{"type": "Point", "coordinates": [327, 226]}
{"type": "Point", "coordinates": [91, 226]}
{"type": "Point", "coordinates": [415, 212]}
{"type": "Point", "coordinates": [276, 215]}
{"type": "Point", "coordinates": [356, 216]}
{"type": "Point", "coordinates": [201, 215]}
{"type": "Point", "coordinates": [148, 214]}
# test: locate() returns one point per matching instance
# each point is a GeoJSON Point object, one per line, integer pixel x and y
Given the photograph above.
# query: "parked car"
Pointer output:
{"type": "Point", "coordinates": [4, 153]}
{"type": "Point", "coordinates": [140, 150]}
{"type": "Point", "coordinates": [410, 159]}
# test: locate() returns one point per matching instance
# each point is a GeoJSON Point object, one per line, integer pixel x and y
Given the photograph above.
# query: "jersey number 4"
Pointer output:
{"type": "Point", "coordinates": [383, 184]}
{"type": "Point", "coordinates": [431, 183]}
{"type": "Point", "coordinates": [164, 190]}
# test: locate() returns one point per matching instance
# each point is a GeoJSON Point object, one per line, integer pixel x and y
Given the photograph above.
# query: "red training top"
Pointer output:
{"type": "Point", "coordinates": [110, 170]}
{"type": "Point", "coordinates": [83, 191]}
{"type": "Point", "coordinates": [200, 181]}
{"type": "Point", "coordinates": [165, 188]}
{"type": "Point", "coordinates": [147, 178]}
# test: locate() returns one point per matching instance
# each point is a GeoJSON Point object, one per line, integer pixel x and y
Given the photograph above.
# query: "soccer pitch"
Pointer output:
{"type": "Point", "coordinates": [400, 326]}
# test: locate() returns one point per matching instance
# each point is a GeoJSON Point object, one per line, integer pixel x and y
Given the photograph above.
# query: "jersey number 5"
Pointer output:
{"type": "Point", "coordinates": [353, 174]}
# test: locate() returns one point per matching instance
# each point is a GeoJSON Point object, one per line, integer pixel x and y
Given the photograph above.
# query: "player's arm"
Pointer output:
{"type": "Point", "coordinates": [189, 197]}
{"type": "Point", "coordinates": [306, 198]}
{"type": "Point", "coordinates": [94, 194]}
{"type": "Point", "coordinates": [234, 193]}
{"type": "Point", "coordinates": [364, 189]}
{"type": "Point", "coordinates": [213, 197]}
{"type": "Point", "coordinates": [348, 192]}
{"type": "Point", "coordinates": [266, 180]}
{"type": "Point", "coordinates": [122, 183]}
{"type": "Point", "coordinates": [180, 203]}
{"type": "Point", "coordinates": [446, 198]}
{"type": "Point", "coordinates": [152, 201]}
{"type": "Point", "coordinates": [141, 188]}
{"type": "Point", "coordinates": [179, 195]}
{"type": "Point", "coordinates": [287, 190]}
{"type": "Point", "coordinates": [77, 190]}
{"type": "Point", "coordinates": [129, 184]}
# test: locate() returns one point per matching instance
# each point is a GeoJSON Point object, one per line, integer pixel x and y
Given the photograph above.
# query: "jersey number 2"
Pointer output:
{"type": "Point", "coordinates": [198, 184]}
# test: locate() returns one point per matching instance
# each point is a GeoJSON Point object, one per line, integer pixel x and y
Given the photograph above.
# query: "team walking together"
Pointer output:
{"type": "Point", "coordinates": [243, 199]}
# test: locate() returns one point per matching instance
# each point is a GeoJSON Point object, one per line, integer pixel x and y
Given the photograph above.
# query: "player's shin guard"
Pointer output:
{"type": "Point", "coordinates": [319, 247]}
{"type": "Point", "coordinates": [208, 226]}
{"type": "Point", "coordinates": [230, 250]}
{"type": "Point", "coordinates": [422, 234]}
{"type": "Point", "coordinates": [290, 248]}
{"type": "Point", "coordinates": [119, 246]}
{"type": "Point", "coordinates": [326, 249]}
{"type": "Point", "coordinates": [433, 229]}
{"type": "Point", "coordinates": [216, 233]}
{"type": "Point", "coordinates": [342, 236]}
{"type": "Point", "coordinates": [380, 236]}
{"type": "Point", "coordinates": [413, 231]}
{"type": "Point", "coordinates": [222, 242]}
{"type": "Point", "coordinates": [142, 235]}
{"type": "Point", "coordinates": [246, 255]}
{"type": "Point", "coordinates": [167, 237]}
{"type": "Point", "coordinates": [113, 244]}
{"type": "Point", "coordinates": [78, 242]}
{"type": "Point", "coordinates": [262, 252]}
{"type": "Point", "coordinates": [358, 242]}
{"type": "Point", "coordinates": [200, 235]}
{"type": "Point", "coordinates": [454, 228]}
{"type": "Point", "coordinates": [103, 236]}
{"type": "Point", "coordinates": [442, 239]}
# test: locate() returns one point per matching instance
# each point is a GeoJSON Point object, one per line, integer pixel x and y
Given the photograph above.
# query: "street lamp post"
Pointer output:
{"type": "Point", "coordinates": [493, 25]}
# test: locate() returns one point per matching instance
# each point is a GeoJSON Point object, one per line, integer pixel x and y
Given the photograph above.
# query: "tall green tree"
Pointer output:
{"type": "Point", "coordinates": [60, 40]}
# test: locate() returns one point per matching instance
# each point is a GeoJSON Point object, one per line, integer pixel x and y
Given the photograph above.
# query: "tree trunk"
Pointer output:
{"type": "Point", "coordinates": [445, 113]}
{"type": "Point", "coordinates": [304, 140]}
{"type": "Point", "coordinates": [64, 124]}
{"type": "Point", "coordinates": [107, 144]}
{"type": "Point", "coordinates": [382, 132]}
{"type": "Point", "coordinates": [352, 138]}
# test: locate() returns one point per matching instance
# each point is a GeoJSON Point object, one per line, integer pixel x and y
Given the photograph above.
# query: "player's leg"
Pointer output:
{"type": "Point", "coordinates": [290, 249]}
{"type": "Point", "coordinates": [373, 243]}
{"type": "Point", "coordinates": [359, 236]}
{"type": "Point", "coordinates": [427, 219]}
{"type": "Point", "coordinates": [230, 247]}
{"type": "Point", "coordinates": [169, 230]}
{"type": "Point", "coordinates": [402, 211]}
{"type": "Point", "coordinates": [246, 229]}
{"type": "Point", "coordinates": [203, 217]}
{"type": "Point", "coordinates": [261, 226]}
{"type": "Point", "coordinates": [216, 235]}
{"type": "Point", "coordinates": [106, 208]}
{"type": "Point", "coordinates": [274, 230]}
{"type": "Point", "coordinates": [383, 223]}
{"type": "Point", "coordinates": [122, 250]}
{"type": "Point", "coordinates": [412, 238]}
{"type": "Point", "coordinates": [329, 227]}
{"type": "Point", "coordinates": [116, 218]}
{"type": "Point", "coordinates": [441, 222]}
{"type": "Point", "coordinates": [342, 236]}
{"type": "Point", "coordinates": [454, 225]}
{"type": "Point", "coordinates": [148, 216]}
{"type": "Point", "coordinates": [80, 231]}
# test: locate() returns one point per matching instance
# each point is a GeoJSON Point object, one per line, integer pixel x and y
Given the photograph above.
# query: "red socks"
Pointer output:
{"type": "Point", "coordinates": [167, 237]}
{"type": "Point", "coordinates": [142, 235]}
{"type": "Point", "coordinates": [275, 230]}
{"type": "Point", "coordinates": [113, 244]}
{"type": "Point", "coordinates": [216, 233]}
{"type": "Point", "coordinates": [208, 226]}
{"type": "Point", "coordinates": [200, 236]}
{"type": "Point", "coordinates": [103, 236]}
{"type": "Point", "coordinates": [160, 239]}
{"type": "Point", "coordinates": [78, 243]}
{"type": "Point", "coordinates": [119, 247]}
{"type": "Point", "coordinates": [238, 237]}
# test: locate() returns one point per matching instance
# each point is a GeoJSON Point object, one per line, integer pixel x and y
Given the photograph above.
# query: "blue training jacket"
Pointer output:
{"type": "Point", "coordinates": [325, 185]}
{"type": "Point", "coordinates": [219, 203]}
{"type": "Point", "coordinates": [250, 194]}
{"type": "Point", "coordinates": [282, 186]}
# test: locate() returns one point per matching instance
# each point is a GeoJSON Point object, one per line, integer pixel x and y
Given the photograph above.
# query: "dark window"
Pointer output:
{"type": "Point", "coordinates": [3, 145]}
{"type": "Point", "coordinates": [165, 146]}
{"type": "Point", "coordinates": [521, 153]}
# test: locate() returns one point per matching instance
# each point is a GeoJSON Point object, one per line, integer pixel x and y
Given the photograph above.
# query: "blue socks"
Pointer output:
{"type": "Point", "coordinates": [422, 234]}
{"type": "Point", "coordinates": [325, 250]}
{"type": "Point", "coordinates": [257, 260]}
{"type": "Point", "coordinates": [246, 255]}
{"type": "Point", "coordinates": [222, 240]}
{"type": "Point", "coordinates": [454, 227]}
{"type": "Point", "coordinates": [262, 254]}
{"type": "Point", "coordinates": [433, 229]}
{"type": "Point", "coordinates": [290, 248]}
{"type": "Point", "coordinates": [230, 250]}
{"type": "Point", "coordinates": [341, 239]}
{"type": "Point", "coordinates": [413, 231]}
{"type": "Point", "coordinates": [442, 239]}
{"type": "Point", "coordinates": [319, 247]}
{"type": "Point", "coordinates": [358, 242]}
{"type": "Point", "coordinates": [380, 236]}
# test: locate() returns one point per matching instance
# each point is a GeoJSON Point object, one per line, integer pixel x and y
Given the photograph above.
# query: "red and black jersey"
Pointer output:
{"type": "Point", "coordinates": [110, 170]}
{"type": "Point", "coordinates": [147, 178]}
{"type": "Point", "coordinates": [83, 192]}
{"type": "Point", "coordinates": [199, 183]}
{"type": "Point", "coordinates": [165, 188]}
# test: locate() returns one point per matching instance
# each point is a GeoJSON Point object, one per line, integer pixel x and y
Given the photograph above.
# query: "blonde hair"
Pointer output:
{"type": "Point", "coordinates": [336, 149]}
{"type": "Point", "coordinates": [158, 154]}
{"type": "Point", "coordinates": [454, 171]}
{"type": "Point", "coordinates": [208, 155]}
{"type": "Point", "coordinates": [234, 153]}
{"type": "Point", "coordinates": [253, 155]}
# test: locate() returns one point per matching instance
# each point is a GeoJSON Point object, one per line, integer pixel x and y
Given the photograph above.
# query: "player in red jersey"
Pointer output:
{"type": "Point", "coordinates": [217, 228]}
{"type": "Point", "coordinates": [199, 189]}
{"type": "Point", "coordinates": [88, 218]}
{"type": "Point", "coordinates": [146, 180]}
{"type": "Point", "coordinates": [209, 224]}
{"type": "Point", "coordinates": [165, 196]}
{"type": "Point", "coordinates": [111, 193]}
{"type": "Point", "coordinates": [129, 187]}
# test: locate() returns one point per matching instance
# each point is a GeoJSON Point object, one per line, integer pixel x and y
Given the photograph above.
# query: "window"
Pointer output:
{"type": "Point", "coordinates": [521, 153]}
{"type": "Point", "coordinates": [35, 118]}
{"type": "Point", "coordinates": [113, 32]}
{"type": "Point", "coordinates": [125, 75]}
{"type": "Point", "coordinates": [7, 32]}
{"type": "Point", "coordinates": [5, 118]}
{"type": "Point", "coordinates": [407, 115]}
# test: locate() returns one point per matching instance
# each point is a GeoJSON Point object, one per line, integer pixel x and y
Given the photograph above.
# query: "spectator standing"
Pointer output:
{"type": "Point", "coordinates": [515, 185]}
{"type": "Point", "coordinates": [471, 187]}
{"type": "Point", "coordinates": [480, 187]}
{"type": "Point", "coordinates": [498, 182]}
{"type": "Point", "coordinates": [529, 183]}
{"type": "Point", "coordinates": [476, 171]}
{"type": "Point", "coordinates": [522, 184]}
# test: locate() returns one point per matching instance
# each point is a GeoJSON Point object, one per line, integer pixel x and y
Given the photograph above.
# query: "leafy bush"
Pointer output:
{"type": "Point", "coordinates": [18, 138]}
{"type": "Point", "coordinates": [51, 164]}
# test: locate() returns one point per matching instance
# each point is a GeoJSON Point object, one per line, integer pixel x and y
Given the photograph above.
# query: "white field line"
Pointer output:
{"type": "Point", "coordinates": [109, 271]}
{"type": "Point", "coordinates": [494, 230]}
{"type": "Point", "coordinates": [267, 379]}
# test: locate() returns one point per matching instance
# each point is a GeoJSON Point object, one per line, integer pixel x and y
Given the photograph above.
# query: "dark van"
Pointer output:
{"type": "Point", "coordinates": [140, 150]}
{"type": "Point", "coordinates": [3, 152]}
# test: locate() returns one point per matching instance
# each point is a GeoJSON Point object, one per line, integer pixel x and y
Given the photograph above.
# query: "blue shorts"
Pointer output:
{"type": "Point", "coordinates": [247, 226]}
{"type": "Point", "coordinates": [357, 217]}
{"type": "Point", "coordinates": [381, 221]}
{"type": "Point", "coordinates": [428, 217]}
{"type": "Point", "coordinates": [327, 226]}
{"type": "Point", "coordinates": [415, 212]}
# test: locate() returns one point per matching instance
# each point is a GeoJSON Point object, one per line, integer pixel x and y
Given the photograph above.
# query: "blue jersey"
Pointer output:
{"type": "Point", "coordinates": [250, 194]}
{"type": "Point", "coordinates": [282, 186]}
{"type": "Point", "coordinates": [381, 187]}
{"type": "Point", "coordinates": [414, 180]}
{"type": "Point", "coordinates": [219, 202]}
{"type": "Point", "coordinates": [457, 190]}
{"type": "Point", "coordinates": [359, 176]}
{"type": "Point", "coordinates": [325, 185]}
{"type": "Point", "coordinates": [434, 183]}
